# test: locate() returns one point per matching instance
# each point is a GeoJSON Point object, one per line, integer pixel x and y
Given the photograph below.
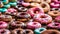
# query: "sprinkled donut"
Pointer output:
{"type": "Point", "coordinates": [35, 10]}
{"type": "Point", "coordinates": [33, 25]}
{"type": "Point", "coordinates": [43, 18]}
{"type": "Point", "coordinates": [4, 31]}
{"type": "Point", "coordinates": [3, 25]}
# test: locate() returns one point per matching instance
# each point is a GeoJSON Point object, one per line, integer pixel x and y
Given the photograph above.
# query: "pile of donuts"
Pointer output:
{"type": "Point", "coordinates": [29, 16]}
{"type": "Point", "coordinates": [5, 4]}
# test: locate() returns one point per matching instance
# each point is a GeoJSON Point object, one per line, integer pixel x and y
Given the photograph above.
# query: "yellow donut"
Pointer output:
{"type": "Point", "coordinates": [47, 1]}
{"type": "Point", "coordinates": [45, 6]}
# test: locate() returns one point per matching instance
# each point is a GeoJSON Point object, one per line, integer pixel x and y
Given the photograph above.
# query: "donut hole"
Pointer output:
{"type": "Point", "coordinates": [34, 23]}
{"type": "Point", "coordinates": [27, 31]}
{"type": "Point", "coordinates": [1, 23]}
{"type": "Point", "coordinates": [43, 5]}
{"type": "Point", "coordinates": [41, 29]}
{"type": "Point", "coordinates": [56, 24]}
{"type": "Point", "coordinates": [43, 17]}
{"type": "Point", "coordinates": [58, 0]}
{"type": "Point", "coordinates": [36, 10]}
{"type": "Point", "coordinates": [18, 32]}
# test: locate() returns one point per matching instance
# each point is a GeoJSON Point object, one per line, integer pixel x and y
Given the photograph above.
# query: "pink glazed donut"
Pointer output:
{"type": "Point", "coordinates": [3, 25]}
{"type": "Point", "coordinates": [54, 25]}
{"type": "Point", "coordinates": [43, 18]}
{"type": "Point", "coordinates": [11, 11]}
{"type": "Point", "coordinates": [54, 5]}
{"type": "Point", "coordinates": [35, 10]}
{"type": "Point", "coordinates": [57, 19]}
{"type": "Point", "coordinates": [33, 25]}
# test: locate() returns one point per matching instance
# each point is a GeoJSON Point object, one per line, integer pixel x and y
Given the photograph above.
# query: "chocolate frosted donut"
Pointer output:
{"type": "Point", "coordinates": [17, 31]}
{"type": "Point", "coordinates": [51, 32]}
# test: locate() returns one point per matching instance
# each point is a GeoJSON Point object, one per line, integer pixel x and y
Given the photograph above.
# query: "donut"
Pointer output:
{"type": "Point", "coordinates": [25, 4]}
{"type": "Point", "coordinates": [3, 25]}
{"type": "Point", "coordinates": [28, 31]}
{"type": "Point", "coordinates": [57, 19]}
{"type": "Point", "coordinates": [33, 25]}
{"type": "Point", "coordinates": [17, 24]}
{"type": "Point", "coordinates": [1, 4]}
{"type": "Point", "coordinates": [35, 10]}
{"type": "Point", "coordinates": [33, 4]}
{"type": "Point", "coordinates": [13, 3]}
{"type": "Point", "coordinates": [54, 13]}
{"type": "Point", "coordinates": [43, 18]}
{"type": "Point", "coordinates": [47, 1]}
{"type": "Point", "coordinates": [53, 25]}
{"type": "Point", "coordinates": [7, 18]}
{"type": "Point", "coordinates": [11, 11]}
{"type": "Point", "coordinates": [4, 31]}
{"type": "Point", "coordinates": [6, 6]}
{"type": "Point", "coordinates": [3, 10]}
{"type": "Point", "coordinates": [54, 5]}
{"type": "Point", "coordinates": [51, 32]}
{"type": "Point", "coordinates": [22, 9]}
{"type": "Point", "coordinates": [39, 30]}
{"type": "Point", "coordinates": [45, 6]}
{"type": "Point", "coordinates": [17, 31]}
{"type": "Point", "coordinates": [5, 1]}
{"type": "Point", "coordinates": [23, 16]}
{"type": "Point", "coordinates": [28, 0]}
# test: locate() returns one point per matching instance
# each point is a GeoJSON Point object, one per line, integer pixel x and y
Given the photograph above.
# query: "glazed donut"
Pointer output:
{"type": "Point", "coordinates": [17, 31]}
{"type": "Point", "coordinates": [51, 32]}
{"type": "Point", "coordinates": [5, 1]}
{"type": "Point", "coordinates": [23, 16]}
{"type": "Point", "coordinates": [53, 25]}
{"type": "Point", "coordinates": [43, 18]}
{"type": "Point", "coordinates": [13, 3]}
{"type": "Point", "coordinates": [39, 30]}
{"type": "Point", "coordinates": [7, 18]}
{"type": "Point", "coordinates": [17, 24]}
{"type": "Point", "coordinates": [3, 25]}
{"type": "Point", "coordinates": [47, 1]}
{"type": "Point", "coordinates": [28, 31]}
{"type": "Point", "coordinates": [34, 4]}
{"type": "Point", "coordinates": [25, 4]}
{"type": "Point", "coordinates": [54, 5]}
{"type": "Point", "coordinates": [11, 11]}
{"type": "Point", "coordinates": [35, 10]}
{"type": "Point", "coordinates": [1, 4]}
{"type": "Point", "coordinates": [28, 0]}
{"type": "Point", "coordinates": [33, 25]}
{"type": "Point", "coordinates": [45, 6]}
{"type": "Point", "coordinates": [3, 10]}
{"type": "Point", "coordinates": [57, 19]}
{"type": "Point", "coordinates": [4, 31]}
{"type": "Point", "coordinates": [54, 13]}
{"type": "Point", "coordinates": [22, 9]}
{"type": "Point", "coordinates": [7, 6]}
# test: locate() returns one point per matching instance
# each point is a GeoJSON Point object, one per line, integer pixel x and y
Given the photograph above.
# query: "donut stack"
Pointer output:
{"type": "Point", "coordinates": [29, 16]}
